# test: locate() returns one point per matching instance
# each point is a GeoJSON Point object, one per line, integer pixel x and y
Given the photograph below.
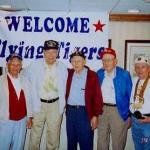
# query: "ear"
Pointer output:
{"type": "Point", "coordinates": [116, 61]}
{"type": "Point", "coordinates": [149, 69]}
{"type": "Point", "coordinates": [44, 53]}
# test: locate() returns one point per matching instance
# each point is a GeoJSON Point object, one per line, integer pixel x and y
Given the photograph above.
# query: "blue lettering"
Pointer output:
{"type": "Point", "coordinates": [29, 51]}
{"type": "Point", "coordinates": [21, 47]}
{"type": "Point", "coordinates": [39, 52]}
{"type": "Point", "coordinates": [84, 50]}
{"type": "Point", "coordinates": [4, 43]}
{"type": "Point", "coordinates": [59, 24]}
{"type": "Point", "coordinates": [27, 24]}
{"type": "Point", "coordinates": [12, 48]}
{"type": "Point", "coordinates": [32, 52]}
{"type": "Point", "coordinates": [92, 51]}
{"type": "Point", "coordinates": [37, 25]}
{"type": "Point", "coordinates": [14, 22]}
{"type": "Point", "coordinates": [77, 48]}
{"type": "Point", "coordinates": [84, 23]}
{"type": "Point", "coordinates": [99, 50]}
{"type": "Point", "coordinates": [72, 25]}
{"type": "Point", "coordinates": [67, 51]}
{"type": "Point", "coordinates": [47, 28]}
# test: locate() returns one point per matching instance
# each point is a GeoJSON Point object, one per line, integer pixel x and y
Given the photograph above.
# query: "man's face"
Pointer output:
{"type": "Point", "coordinates": [14, 66]}
{"type": "Point", "coordinates": [50, 56]}
{"type": "Point", "coordinates": [142, 70]}
{"type": "Point", "coordinates": [78, 63]}
{"type": "Point", "coordinates": [109, 62]}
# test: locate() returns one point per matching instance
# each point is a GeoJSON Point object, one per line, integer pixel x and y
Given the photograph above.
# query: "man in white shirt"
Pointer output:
{"type": "Point", "coordinates": [116, 88]}
{"type": "Point", "coordinates": [48, 78]}
{"type": "Point", "coordinates": [15, 105]}
{"type": "Point", "coordinates": [140, 104]}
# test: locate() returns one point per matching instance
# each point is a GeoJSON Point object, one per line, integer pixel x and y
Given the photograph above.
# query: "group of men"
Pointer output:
{"type": "Point", "coordinates": [39, 95]}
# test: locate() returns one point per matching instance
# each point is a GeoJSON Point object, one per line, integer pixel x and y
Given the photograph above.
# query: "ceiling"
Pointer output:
{"type": "Point", "coordinates": [111, 6]}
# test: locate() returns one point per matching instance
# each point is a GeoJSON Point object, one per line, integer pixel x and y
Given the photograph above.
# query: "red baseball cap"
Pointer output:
{"type": "Point", "coordinates": [107, 51]}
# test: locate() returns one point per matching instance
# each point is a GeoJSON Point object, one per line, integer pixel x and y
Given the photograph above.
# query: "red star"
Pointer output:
{"type": "Point", "coordinates": [99, 26]}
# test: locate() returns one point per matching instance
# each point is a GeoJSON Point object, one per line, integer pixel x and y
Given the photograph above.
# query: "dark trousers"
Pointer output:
{"type": "Point", "coordinates": [78, 129]}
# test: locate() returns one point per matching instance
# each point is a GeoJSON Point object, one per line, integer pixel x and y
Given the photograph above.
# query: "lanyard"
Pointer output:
{"type": "Point", "coordinates": [140, 95]}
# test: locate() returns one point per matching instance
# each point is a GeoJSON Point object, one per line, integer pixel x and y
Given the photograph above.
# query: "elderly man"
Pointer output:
{"type": "Point", "coordinates": [15, 106]}
{"type": "Point", "coordinates": [48, 78]}
{"type": "Point", "coordinates": [140, 104]}
{"type": "Point", "coordinates": [116, 88]}
{"type": "Point", "coordinates": [84, 103]}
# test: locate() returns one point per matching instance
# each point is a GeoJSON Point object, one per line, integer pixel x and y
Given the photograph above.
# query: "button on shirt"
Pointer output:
{"type": "Point", "coordinates": [49, 88]}
{"type": "Point", "coordinates": [77, 91]}
{"type": "Point", "coordinates": [108, 91]}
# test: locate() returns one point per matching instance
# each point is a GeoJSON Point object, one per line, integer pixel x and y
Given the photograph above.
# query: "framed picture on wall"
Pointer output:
{"type": "Point", "coordinates": [1, 70]}
{"type": "Point", "coordinates": [133, 49]}
{"type": "Point", "coordinates": [109, 43]}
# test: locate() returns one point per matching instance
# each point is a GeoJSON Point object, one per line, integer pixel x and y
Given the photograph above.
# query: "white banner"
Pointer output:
{"type": "Point", "coordinates": [24, 32]}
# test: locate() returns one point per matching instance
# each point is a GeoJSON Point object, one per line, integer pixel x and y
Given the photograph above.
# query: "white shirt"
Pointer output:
{"type": "Point", "coordinates": [35, 74]}
{"type": "Point", "coordinates": [108, 91]}
{"type": "Point", "coordinates": [16, 83]}
{"type": "Point", "coordinates": [49, 88]}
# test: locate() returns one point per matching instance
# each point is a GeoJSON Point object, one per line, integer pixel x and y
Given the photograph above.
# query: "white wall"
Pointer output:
{"type": "Point", "coordinates": [118, 32]}
{"type": "Point", "coordinates": [121, 31]}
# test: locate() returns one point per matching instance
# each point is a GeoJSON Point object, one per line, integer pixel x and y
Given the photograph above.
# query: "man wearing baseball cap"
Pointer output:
{"type": "Point", "coordinates": [140, 104]}
{"type": "Point", "coordinates": [84, 103]}
{"type": "Point", "coordinates": [15, 105]}
{"type": "Point", "coordinates": [48, 78]}
{"type": "Point", "coordinates": [116, 88]}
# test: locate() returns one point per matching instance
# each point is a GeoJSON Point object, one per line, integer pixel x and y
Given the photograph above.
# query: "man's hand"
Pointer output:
{"type": "Point", "coordinates": [29, 123]}
{"type": "Point", "coordinates": [145, 120]}
{"type": "Point", "coordinates": [129, 122]}
{"type": "Point", "coordinates": [94, 122]}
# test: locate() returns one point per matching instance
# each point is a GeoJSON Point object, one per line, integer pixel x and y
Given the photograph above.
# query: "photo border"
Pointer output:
{"type": "Point", "coordinates": [129, 45]}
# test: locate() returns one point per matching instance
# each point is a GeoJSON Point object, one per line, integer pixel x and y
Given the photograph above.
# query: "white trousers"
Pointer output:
{"type": "Point", "coordinates": [12, 134]}
{"type": "Point", "coordinates": [51, 117]}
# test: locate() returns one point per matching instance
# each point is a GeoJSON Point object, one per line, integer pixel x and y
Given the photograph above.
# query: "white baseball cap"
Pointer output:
{"type": "Point", "coordinates": [142, 59]}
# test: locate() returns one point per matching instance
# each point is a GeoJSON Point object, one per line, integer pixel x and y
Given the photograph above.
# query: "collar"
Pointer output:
{"type": "Point", "coordinates": [46, 66]}
{"type": "Point", "coordinates": [82, 72]}
{"type": "Point", "coordinates": [12, 78]}
{"type": "Point", "coordinates": [110, 75]}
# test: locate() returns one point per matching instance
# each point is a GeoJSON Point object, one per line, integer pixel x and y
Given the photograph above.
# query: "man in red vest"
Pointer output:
{"type": "Point", "coordinates": [15, 105]}
{"type": "Point", "coordinates": [84, 103]}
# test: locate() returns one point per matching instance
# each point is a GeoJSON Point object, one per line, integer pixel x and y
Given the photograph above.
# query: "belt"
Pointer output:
{"type": "Point", "coordinates": [147, 115]}
{"type": "Point", "coordinates": [75, 106]}
{"type": "Point", "coordinates": [49, 100]}
{"type": "Point", "coordinates": [139, 115]}
{"type": "Point", "coordinates": [109, 104]}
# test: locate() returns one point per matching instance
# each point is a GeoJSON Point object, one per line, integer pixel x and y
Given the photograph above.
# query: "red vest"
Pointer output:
{"type": "Point", "coordinates": [17, 107]}
{"type": "Point", "coordinates": [93, 95]}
